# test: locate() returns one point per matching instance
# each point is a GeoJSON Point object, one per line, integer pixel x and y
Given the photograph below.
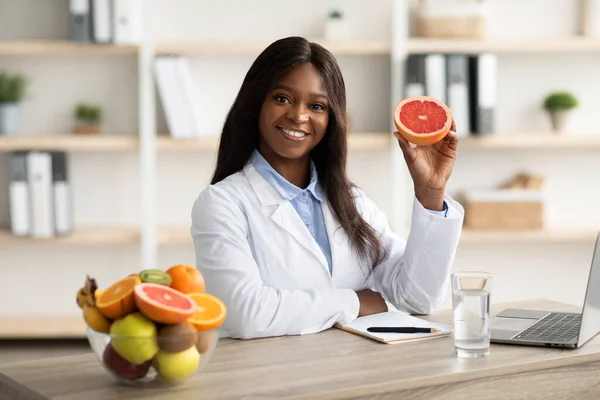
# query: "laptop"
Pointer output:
{"type": "Point", "coordinates": [553, 329]}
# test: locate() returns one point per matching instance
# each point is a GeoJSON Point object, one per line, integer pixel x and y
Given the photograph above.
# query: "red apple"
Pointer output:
{"type": "Point", "coordinates": [123, 368]}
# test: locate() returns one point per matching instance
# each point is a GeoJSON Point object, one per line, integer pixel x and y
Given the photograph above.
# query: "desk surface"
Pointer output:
{"type": "Point", "coordinates": [336, 365]}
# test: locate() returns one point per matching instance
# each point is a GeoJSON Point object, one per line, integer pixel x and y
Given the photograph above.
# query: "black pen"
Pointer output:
{"type": "Point", "coordinates": [401, 329]}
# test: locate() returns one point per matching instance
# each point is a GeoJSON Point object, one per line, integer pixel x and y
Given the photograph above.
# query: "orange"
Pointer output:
{"type": "Point", "coordinates": [163, 304]}
{"type": "Point", "coordinates": [186, 279]}
{"type": "Point", "coordinates": [422, 120]}
{"type": "Point", "coordinates": [117, 300]}
{"type": "Point", "coordinates": [211, 311]}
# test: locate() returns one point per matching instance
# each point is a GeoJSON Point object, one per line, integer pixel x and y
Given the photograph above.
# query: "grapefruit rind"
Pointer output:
{"type": "Point", "coordinates": [206, 319]}
{"type": "Point", "coordinates": [159, 312]}
{"type": "Point", "coordinates": [422, 139]}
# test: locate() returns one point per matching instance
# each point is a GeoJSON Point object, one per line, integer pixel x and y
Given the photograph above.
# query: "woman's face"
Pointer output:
{"type": "Point", "coordinates": [294, 115]}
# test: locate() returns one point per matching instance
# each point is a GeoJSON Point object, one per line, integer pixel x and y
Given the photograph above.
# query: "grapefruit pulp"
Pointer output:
{"type": "Point", "coordinates": [422, 120]}
{"type": "Point", "coordinates": [117, 300]}
{"type": "Point", "coordinates": [163, 304]}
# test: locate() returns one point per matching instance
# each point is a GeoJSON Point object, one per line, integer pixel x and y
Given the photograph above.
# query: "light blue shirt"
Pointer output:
{"type": "Point", "coordinates": [307, 202]}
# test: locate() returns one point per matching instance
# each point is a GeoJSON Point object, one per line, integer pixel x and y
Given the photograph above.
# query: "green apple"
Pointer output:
{"type": "Point", "coordinates": [177, 366]}
{"type": "Point", "coordinates": [134, 338]}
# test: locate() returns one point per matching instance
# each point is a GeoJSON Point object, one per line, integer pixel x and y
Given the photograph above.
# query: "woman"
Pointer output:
{"type": "Point", "coordinates": [282, 236]}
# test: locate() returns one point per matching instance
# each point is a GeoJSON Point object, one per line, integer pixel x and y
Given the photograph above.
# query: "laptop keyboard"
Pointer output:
{"type": "Point", "coordinates": [554, 327]}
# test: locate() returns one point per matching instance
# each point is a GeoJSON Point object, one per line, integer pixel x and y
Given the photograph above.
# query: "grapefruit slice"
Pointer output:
{"type": "Point", "coordinates": [117, 300]}
{"type": "Point", "coordinates": [422, 120]}
{"type": "Point", "coordinates": [163, 304]}
{"type": "Point", "coordinates": [211, 311]}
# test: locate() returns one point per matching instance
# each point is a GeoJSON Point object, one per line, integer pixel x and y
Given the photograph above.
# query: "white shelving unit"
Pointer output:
{"type": "Point", "coordinates": [149, 236]}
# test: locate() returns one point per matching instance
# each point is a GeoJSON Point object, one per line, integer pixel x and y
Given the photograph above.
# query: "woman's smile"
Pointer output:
{"type": "Point", "coordinates": [294, 135]}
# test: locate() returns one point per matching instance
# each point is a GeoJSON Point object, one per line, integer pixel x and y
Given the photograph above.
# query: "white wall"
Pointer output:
{"type": "Point", "coordinates": [106, 186]}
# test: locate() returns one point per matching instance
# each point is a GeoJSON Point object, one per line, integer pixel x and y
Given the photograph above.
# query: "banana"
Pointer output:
{"type": "Point", "coordinates": [81, 298]}
{"type": "Point", "coordinates": [85, 295]}
{"type": "Point", "coordinates": [95, 319]}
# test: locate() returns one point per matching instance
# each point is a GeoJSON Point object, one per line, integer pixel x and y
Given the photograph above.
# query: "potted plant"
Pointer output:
{"type": "Point", "coordinates": [12, 91]}
{"type": "Point", "coordinates": [336, 27]}
{"type": "Point", "coordinates": [88, 119]}
{"type": "Point", "coordinates": [558, 105]}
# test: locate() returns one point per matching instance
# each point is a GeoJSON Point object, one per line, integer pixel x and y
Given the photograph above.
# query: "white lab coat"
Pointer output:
{"type": "Point", "coordinates": [257, 256]}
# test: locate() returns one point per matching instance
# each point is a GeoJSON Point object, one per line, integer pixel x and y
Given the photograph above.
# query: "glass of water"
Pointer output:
{"type": "Point", "coordinates": [471, 312]}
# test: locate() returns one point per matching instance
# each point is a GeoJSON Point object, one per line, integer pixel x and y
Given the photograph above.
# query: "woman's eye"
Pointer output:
{"type": "Point", "coordinates": [281, 99]}
{"type": "Point", "coordinates": [318, 107]}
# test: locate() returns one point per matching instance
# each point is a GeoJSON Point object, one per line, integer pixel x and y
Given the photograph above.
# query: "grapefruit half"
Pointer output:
{"type": "Point", "coordinates": [163, 304]}
{"type": "Point", "coordinates": [422, 120]}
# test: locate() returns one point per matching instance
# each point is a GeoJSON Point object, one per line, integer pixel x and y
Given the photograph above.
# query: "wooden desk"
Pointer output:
{"type": "Point", "coordinates": [337, 365]}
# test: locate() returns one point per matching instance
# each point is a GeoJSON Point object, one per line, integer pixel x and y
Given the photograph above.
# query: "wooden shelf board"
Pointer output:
{"type": "Point", "coordinates": [42, 327]}
{"type": "Point", "coordinates": [174, 235]}
{"type": "Point", "coordinates": [530, 140]}
{"type": "Point", "coordinates": [69, 142]}
{"type": "Point", "coordinates": [529, 46]}
{"type": "Point", "coordinates": [167, 143]}
{"type": "Point", "coordinates": [35, 47]}
{"type": "Point", "coordinates": [357, 140]}
{"type": "Point", "coordinates": [254, 48]}
{"type": "Point", "coordinates": [546, 235]}
{"type": "Point", "coordinates": [80, 236]}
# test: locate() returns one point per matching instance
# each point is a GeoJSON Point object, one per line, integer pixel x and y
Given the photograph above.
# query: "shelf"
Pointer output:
{"type": "Point", "coordinates": [174, 235]}
{"type": "Point", "coordinates": [527, 46]}
{"type": "Point", "coordinates": [167, 143]}
{"type": "Point", "coordinates": [252, 48]}
{"type": "Point", "coordinates": [357, 140]}
{"type": "Point", "coordinates": [123, 142]}
{"type": "Point", "coordinates": [69, 142]}
{"type": "Point", "coordinates": [62, 47]}
{"type": "Point", "coordinates": [547, 235]}
{"type": "Point", "coordinates": [101, 236]}
{"type": "Point", "coordinates": [80, 236]}
{"type": "Point", "coordinates": [42, 327]}
{"type": "Point", "coordinates": [531, 141]}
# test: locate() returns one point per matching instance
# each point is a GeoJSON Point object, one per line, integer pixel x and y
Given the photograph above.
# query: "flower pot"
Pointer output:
{"type": "Point", "coordinates": [336, 30]}
{"type": "Point", "coordinates": [559, 120]}
{"type": "Point", "coordinates": [9, 118]}
{"type": "Point", "coordinates": [84, 128]}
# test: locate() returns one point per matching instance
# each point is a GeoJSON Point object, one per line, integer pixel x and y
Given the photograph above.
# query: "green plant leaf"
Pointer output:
{"type": "Point", "coordinates": [560, 101]}
{"type": "Point", "coordinates": [12, 88]}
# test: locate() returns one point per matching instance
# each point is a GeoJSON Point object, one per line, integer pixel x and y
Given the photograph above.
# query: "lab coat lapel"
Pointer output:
{"type": "Point", "coordinates": [285, 216]}
{"type": "Point", "coordinates": [288, 219]}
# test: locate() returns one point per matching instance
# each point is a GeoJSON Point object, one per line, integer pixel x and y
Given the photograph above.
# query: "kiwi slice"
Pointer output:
{"type": "Point", "coordinates": [155, 276]}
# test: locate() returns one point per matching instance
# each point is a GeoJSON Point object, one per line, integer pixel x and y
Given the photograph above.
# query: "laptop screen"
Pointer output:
{"type": "Point", "coordinates": [590, 319]}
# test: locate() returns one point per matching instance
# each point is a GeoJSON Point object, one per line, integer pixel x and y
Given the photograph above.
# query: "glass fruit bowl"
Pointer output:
{"type": "Point", "coordinates": [169, 357]}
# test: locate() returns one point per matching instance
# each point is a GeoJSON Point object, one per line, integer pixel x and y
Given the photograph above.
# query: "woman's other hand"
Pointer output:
{"type": "Point", "coordinates": [430, 167]}
{"type": "Point", "coordinates": [370, 303]}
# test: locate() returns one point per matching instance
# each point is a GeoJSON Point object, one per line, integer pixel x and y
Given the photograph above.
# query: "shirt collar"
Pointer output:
{"type": "Point", "coordinates": [286, 189]}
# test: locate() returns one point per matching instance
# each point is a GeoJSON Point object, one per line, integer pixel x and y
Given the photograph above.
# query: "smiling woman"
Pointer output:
{"type": "Point", "coordinates": [284, 238]}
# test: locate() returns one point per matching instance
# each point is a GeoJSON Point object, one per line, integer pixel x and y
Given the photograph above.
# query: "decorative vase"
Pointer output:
{"type": "Point", "coordinates": [336, 30]}
{"type": "Point", "coordinates": [9, 118]}
{"type": "Point", "coordinates": [559, 120]}
{"type": "Point", "coordinates": [86, 128]}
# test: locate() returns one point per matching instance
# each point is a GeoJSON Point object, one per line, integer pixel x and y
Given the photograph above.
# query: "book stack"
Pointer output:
{"type": "Point", "coordinates": [40, 194]}
{"type": "Point", "coordinates": [466, 83]}
{"type": "Point", "coordinates": [174, 83]}
{"type": "Point", "coordinates": [105, 21]}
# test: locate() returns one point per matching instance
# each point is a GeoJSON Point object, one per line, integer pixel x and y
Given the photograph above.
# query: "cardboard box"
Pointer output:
{"type": "Point", "coordinates": [504, 209]}
{"type": "Point", "coordinates": [451, 19]}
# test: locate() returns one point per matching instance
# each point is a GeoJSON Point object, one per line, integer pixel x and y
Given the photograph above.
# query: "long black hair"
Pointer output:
{"type": "Point", "coordinates": [240, 133]}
